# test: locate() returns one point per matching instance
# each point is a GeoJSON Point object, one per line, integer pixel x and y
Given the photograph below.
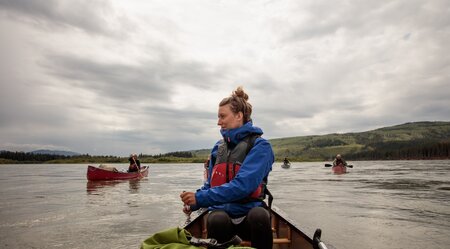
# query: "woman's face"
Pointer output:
{"type": "Point", "coordinates": [229, 120]}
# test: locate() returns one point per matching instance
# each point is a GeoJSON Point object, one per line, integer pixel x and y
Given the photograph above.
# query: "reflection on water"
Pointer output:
{"type": "Point", "coordinates": [94, 187]}
{"type": "Point", "coordinates": [444, 188]}
{"type": "Point", "coordinates": [134, 185]}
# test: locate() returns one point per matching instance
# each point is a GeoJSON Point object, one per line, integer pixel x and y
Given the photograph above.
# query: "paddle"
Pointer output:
{"type": "Point", "coordinates": [187, 213]}
{"type": "Point", "coordinates": [329, 165]}
{"type": "Point", "coordinates": [139, 169]}
{"type": "Point", "coordinates": [317, 243]}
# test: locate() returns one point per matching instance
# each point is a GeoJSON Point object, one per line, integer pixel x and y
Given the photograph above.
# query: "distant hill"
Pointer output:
{"type": "Point", "coordinates": [417, 140]}
{"type": "Point", "coordinates": [55, 152]}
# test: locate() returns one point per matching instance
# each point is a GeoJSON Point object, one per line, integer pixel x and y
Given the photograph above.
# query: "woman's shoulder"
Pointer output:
{"type": "Point", "coordinates": [262, 144]}
{"type": "Point", "coordinates": [260, 139]}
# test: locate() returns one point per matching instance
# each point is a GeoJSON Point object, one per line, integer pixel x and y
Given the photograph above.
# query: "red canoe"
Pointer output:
{"type": "Point", "coordinates": [98, 174]}
{"type": "Point", "coordinates": [339, 169]}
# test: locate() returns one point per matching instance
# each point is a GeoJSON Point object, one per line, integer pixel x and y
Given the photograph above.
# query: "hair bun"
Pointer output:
{"type": "Point", "coordinates": [239, 92]}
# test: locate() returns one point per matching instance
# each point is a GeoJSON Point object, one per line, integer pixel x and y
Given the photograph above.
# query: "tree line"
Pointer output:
{"type": "Point", "coordinates": [28, 157]}
{"type": "Point", "coordinates": [440, 150]}
{"type": "Point", "coordinates": [375, 151]}
{"type": "Point", "coordinates": [182, 154]}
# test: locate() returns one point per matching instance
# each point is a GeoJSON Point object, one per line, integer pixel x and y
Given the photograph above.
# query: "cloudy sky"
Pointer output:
{"type": "Point", "coordinates": [146, 76]}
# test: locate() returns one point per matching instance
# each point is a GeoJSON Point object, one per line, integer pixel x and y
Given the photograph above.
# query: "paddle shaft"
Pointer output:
{"type": "Point", "coordinates": [329, 165]}
{"type": "Point", "coordinates": [139, 169]}
{"type": "Point", "coordinates": [188, 213]}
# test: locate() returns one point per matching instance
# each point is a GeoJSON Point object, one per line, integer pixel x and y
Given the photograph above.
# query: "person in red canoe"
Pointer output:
{"type": "Point", "coordinates": [135, 164]}
{"type": "Point", "coordinates": [339, 160]}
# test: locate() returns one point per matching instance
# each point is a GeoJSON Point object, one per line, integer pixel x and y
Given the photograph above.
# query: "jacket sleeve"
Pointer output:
{"type": "Point", "coordinates": [256, 166]}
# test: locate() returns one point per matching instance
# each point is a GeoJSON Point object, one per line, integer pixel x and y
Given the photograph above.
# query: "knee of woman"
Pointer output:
{"type": "Point", "coordinates": [218, 218]}
{"type": "Point", "coordinates": [258, 214]}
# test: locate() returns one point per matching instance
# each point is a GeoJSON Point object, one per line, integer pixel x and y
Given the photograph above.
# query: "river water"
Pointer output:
{"type": "Point", "coordinates": [378, 204]}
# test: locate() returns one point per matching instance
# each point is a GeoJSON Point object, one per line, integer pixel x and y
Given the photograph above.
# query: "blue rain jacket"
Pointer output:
{"type": "Point", "coordinates": [256, 166]}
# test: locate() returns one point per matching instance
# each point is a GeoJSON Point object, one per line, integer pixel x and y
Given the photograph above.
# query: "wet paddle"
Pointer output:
{"type": "Point", "coordinates": [330, 165]}
{"type": "Point", "coordinates": [139, 169]}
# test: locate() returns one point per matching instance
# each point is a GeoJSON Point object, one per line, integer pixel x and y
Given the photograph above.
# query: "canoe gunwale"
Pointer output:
{"type": "Point", "coordinates": [286, 231]}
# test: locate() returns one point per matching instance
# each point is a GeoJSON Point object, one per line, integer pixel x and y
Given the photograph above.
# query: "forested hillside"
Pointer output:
{"type": "Point", "coordinates": [420, 140]}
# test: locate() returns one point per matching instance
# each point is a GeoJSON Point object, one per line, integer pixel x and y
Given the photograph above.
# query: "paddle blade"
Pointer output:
{"type": "Point", "coordinates": [350, 166]}
{"type": "Point", "coordinates": [328, 165]}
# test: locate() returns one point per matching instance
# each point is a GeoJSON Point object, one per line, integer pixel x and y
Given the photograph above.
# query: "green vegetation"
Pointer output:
{"type": "Point", "coordinates": [7, 157]}
{"type": "Point", "coordinates": [419, 140]}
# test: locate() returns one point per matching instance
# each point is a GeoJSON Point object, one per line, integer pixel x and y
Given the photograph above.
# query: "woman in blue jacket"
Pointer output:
{"type": "Point", "coordinates": [237, 178]}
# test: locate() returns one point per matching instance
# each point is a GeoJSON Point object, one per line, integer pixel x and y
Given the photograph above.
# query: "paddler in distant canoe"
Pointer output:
{"type": "Point", "coordinates": [135, 164]}
{"type": "Point", "coordinates": [339, 161]}
{"type": "Point", "coordinates": [237, 178]}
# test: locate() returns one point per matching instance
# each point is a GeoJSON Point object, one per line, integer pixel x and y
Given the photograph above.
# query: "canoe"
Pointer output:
{"type": "Point", "coordinates": [98, 174]}
{"type": "Point", "coordinates": [339, 169]}
{"type": "Point", "coordinates": [286, 165]}
{"type": "Point", "coordinates": [285, 233]}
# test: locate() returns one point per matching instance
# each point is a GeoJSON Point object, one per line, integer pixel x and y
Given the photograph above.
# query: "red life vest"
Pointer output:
{"type": "Point", "coordinates": [228, 163]}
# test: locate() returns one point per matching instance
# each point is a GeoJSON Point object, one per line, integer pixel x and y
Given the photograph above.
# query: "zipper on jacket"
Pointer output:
{"type": "Point", "coordinates": [227, 169]}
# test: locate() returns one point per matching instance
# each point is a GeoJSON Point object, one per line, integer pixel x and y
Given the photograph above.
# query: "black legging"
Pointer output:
{"type": "Point", "coordinates": [255, 227]}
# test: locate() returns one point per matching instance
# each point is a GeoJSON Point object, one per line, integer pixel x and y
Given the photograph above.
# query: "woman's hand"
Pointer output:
{"type": "Point", "coordinates": [187, 210]}
{"type": "Point", "coordinates": [188, 198]}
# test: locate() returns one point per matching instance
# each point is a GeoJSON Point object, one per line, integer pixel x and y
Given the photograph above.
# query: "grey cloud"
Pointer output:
{"type": "Point", "coordinates": [359, 18]}
{"type": "Point", "coordinates": [95, 17]}
{"type": "Point", "coordinates": [149, 80]}
{"type": "Point", "coordinates": [180, 113]}
{"type": "Point", "coordinates": [119, 82]}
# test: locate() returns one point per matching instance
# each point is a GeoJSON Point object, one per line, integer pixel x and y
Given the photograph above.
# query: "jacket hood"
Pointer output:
{"type": "Point", "coordinates": [236, 135]}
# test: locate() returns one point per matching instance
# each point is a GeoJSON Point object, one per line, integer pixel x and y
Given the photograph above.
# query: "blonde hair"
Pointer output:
{"type": "Point", "coordinates": [238, 102]}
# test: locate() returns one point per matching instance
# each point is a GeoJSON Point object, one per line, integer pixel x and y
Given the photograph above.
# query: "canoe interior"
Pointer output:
{"type": "Point", "coordinates": [285, 233]}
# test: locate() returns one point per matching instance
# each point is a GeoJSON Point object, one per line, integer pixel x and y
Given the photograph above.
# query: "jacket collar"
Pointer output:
{"type": "Point", "coordinates": [234, 136]}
